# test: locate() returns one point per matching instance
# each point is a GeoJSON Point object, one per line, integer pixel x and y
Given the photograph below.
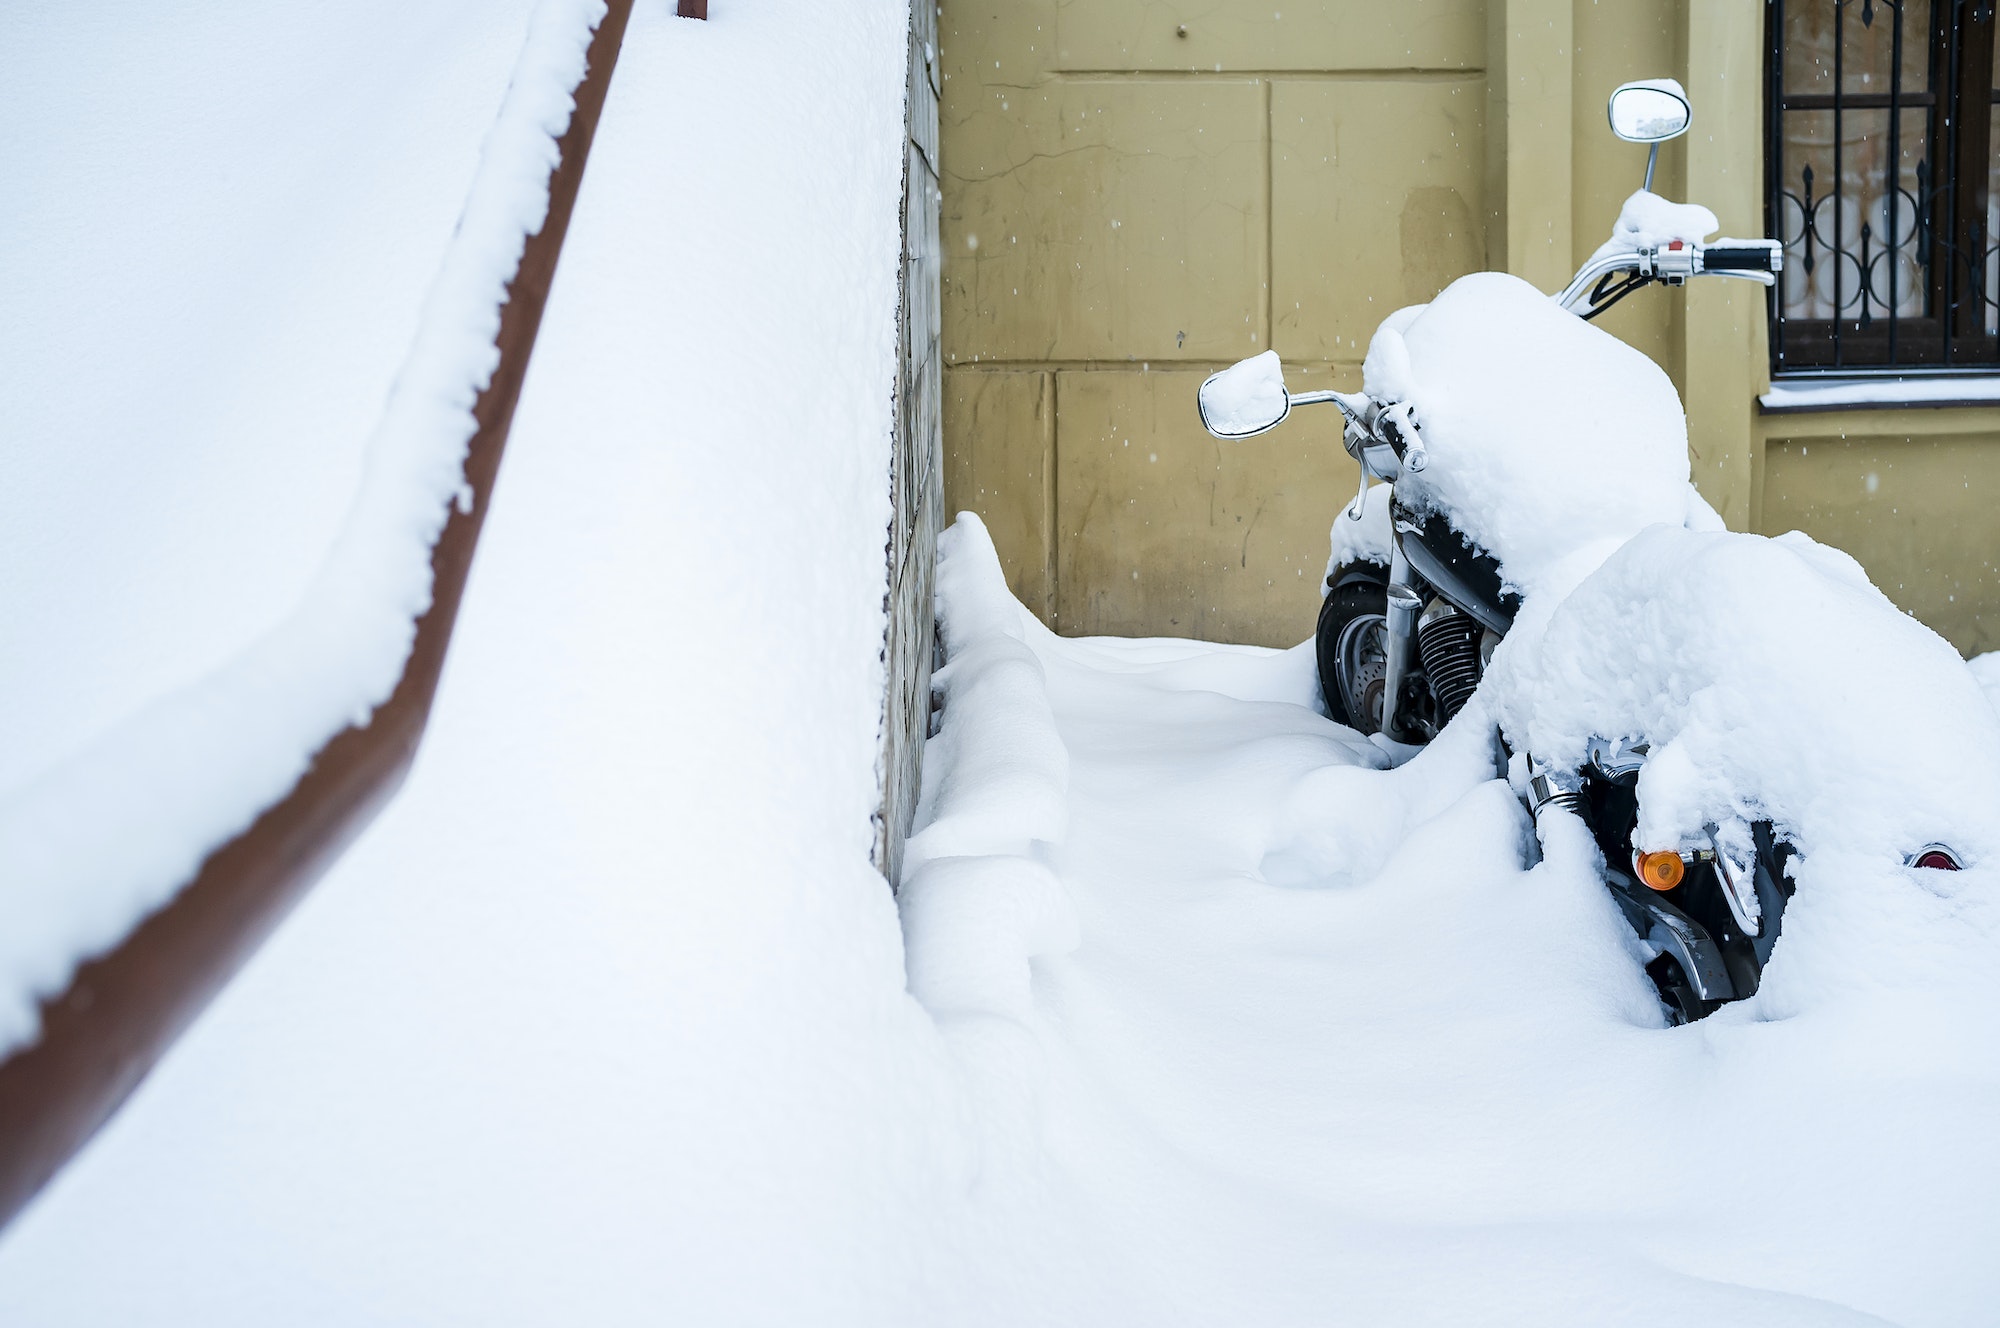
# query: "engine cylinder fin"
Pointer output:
{"type": "Point", "coordinates": [1448, 644]}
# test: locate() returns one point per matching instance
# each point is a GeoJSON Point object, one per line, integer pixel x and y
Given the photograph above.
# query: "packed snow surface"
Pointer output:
{"type": "Point", "coordinates": [1245, 398]}
{"type": "Point", "coordinates": [218, 577]}
{"type": "Point", "coordinates": [1546, 435]}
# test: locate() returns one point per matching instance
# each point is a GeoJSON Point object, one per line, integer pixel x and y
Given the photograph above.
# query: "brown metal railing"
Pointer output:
{"type": "Point", "coordinates": [122, 1010]}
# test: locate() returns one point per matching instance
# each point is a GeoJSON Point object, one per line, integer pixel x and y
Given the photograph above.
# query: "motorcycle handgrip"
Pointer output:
{"type": "Point", "coordinates": [1738, 260]}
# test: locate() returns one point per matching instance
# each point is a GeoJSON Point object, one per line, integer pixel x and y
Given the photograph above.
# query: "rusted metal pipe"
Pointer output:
{"type": "Point", "coordinates": [123, 1010]}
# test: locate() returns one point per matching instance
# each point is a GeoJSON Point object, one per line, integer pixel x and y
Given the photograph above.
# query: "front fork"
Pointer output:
{"type": "Point", "coordinates": [1400, 647]}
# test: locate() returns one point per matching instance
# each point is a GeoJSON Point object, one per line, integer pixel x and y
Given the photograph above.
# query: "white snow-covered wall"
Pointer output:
{"type": "Point", "coordinates": [917, 466]}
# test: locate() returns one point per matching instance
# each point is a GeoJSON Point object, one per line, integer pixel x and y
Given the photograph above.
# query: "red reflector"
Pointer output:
{"type": "Point", "coordinates": [1938, 860]}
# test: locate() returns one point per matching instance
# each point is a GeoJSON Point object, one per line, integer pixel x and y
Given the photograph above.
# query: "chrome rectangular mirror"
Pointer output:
{"type": "Point", "coordinates": [1246, 399]}
{"type": "Point", "coordinates": [1651, 110]}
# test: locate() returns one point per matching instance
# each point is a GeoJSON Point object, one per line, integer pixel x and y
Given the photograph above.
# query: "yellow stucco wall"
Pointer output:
{"type": "Point", "coordinates": [1908, 492]}
{"type": "Point", "coordinates": [1128, 209]}
{"type": "Point", "coordinates": [1138, 192]}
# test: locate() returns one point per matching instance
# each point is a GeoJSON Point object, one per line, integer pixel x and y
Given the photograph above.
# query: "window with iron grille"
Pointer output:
{"type": "Point", "coordinates": [1882, 124]}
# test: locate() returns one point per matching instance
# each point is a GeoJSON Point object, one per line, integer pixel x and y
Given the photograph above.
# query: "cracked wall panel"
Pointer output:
{"type": "Point", "coordinates": [1108, 219]}
{"type": "Point", "coordinates": [1163, 530]}
{"type": "Point", "coordinates": [1377, 200]}
{"type": "Point", "coordinates": [999, 429]}
{"type": "Point", "coordinates": [990, 42]}
{"type": "Point", "coordinates": [1200, 35]}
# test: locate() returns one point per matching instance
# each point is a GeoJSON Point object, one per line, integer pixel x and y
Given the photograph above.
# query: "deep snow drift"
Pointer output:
{"type": "Point", "coordinates": [1328, 1050]}
{"type": "Point", "coordinates": [1216, 1020]}
{"type": "Point", "coordinates": [604, 1021]}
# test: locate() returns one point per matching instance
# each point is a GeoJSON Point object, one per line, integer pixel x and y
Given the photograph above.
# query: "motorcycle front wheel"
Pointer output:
{"type": "Point", "coordinates": [1351, 645]}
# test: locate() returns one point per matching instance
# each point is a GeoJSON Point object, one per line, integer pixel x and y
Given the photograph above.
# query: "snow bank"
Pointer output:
{"type": "Point", "coordinates": [1773, 682]}
{"type": "Point", "coordinates": [1549, 439]}
{"type": "Point", "coordinates": [1002, 770]}
{"type": "Point", "coordinates": [978, 902]}
{"type": "Point", "coordinates": [197, 766]}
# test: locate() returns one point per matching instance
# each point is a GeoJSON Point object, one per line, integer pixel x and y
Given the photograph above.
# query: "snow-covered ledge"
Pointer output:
{"type": "Point", "coordinates": [1880, 392]}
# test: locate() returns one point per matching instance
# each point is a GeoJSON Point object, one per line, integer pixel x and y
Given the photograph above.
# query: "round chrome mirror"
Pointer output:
{"type": "Point", "coordinates": [1246, 399]}
{"type": "Point", "coordinates": [1652, 110]}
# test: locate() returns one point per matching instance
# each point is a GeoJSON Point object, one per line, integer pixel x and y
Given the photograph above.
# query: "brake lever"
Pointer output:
{"type": "Point", "coordinates": [1354, 509]}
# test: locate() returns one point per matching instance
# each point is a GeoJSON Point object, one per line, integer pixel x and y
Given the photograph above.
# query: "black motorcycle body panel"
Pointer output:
{"type": "Point", "coordinates": [1692, 921]}
{"type": "Point", "coordinates": [1456, 568]}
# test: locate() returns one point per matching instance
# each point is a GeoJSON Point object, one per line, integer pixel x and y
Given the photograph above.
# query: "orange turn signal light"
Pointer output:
{"type": "Point", "coordinates": [1662, 870]}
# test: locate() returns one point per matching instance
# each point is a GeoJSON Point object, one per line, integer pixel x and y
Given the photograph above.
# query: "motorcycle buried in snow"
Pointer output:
{"type": "Point", "coordinates": [1510, 436]}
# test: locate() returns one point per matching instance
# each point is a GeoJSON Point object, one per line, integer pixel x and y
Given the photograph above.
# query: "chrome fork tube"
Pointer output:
{"type": "Point", "coordinates": [1404, 606]}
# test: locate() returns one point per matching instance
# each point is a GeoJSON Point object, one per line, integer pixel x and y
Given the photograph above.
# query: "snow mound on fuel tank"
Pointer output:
{"type": "Point", "coordinates": [1773, 682]}
{"type": "Point", "coordinates": [1546, 435]}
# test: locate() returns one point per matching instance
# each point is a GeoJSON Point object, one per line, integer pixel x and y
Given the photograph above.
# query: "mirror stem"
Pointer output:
{"type": "Point", "coordinates": [1652, 158]}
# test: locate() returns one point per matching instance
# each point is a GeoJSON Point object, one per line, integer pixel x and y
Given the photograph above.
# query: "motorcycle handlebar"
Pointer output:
{"type": "Point", "coordinates": [1672, 263]}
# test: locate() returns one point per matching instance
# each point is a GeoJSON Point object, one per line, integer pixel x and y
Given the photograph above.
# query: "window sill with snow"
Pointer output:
{"type": "Point", "coordinates": [1877, 391]}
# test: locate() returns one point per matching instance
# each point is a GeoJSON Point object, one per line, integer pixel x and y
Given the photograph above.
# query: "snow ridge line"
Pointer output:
{"type": "Point", "coordinates": [114, 833]}
{"type": "Point", "coordinates": [978, 901]}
